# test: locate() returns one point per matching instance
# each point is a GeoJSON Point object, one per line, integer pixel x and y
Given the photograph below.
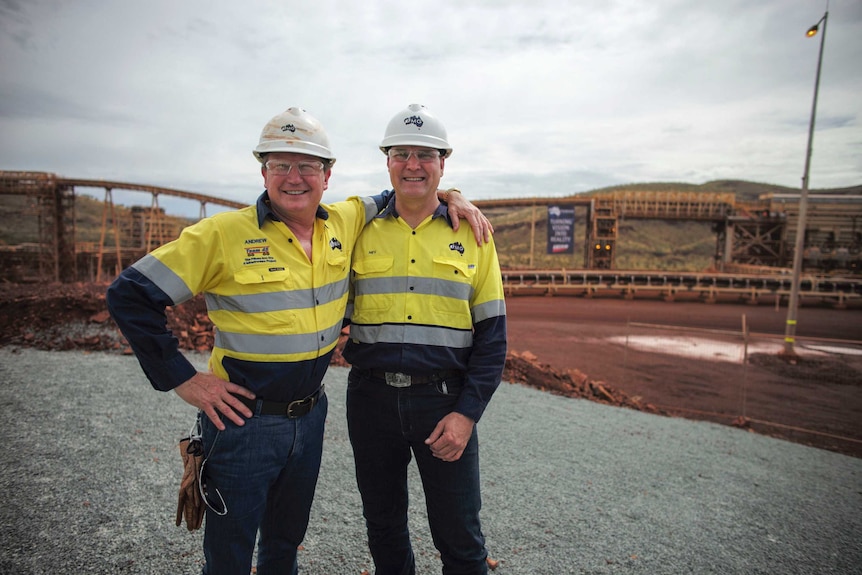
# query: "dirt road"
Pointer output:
{"type": "Point", "coordinates": [817, 400]}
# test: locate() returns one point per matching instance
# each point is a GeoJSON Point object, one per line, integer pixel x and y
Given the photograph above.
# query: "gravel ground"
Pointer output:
{"type": "Point", "coordinates": [90, 470]}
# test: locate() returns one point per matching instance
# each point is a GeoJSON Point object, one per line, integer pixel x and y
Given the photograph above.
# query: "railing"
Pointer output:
{"type": "Point", "coordinates": [668, 285]}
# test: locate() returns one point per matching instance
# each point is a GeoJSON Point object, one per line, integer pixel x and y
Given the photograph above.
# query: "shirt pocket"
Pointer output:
{"type": "Point", "coordinates": [264, 301]}
{"type": "Point", "coordinates": [255, 276]}
{"type": "Point", "coordinates": [455, 289]}
{"type": "Point", "coordinates": [337, 264]}
{"type": "Point", "coordinates": [373, 286]}
{"type": "Point", "coordinates": [451, 269]}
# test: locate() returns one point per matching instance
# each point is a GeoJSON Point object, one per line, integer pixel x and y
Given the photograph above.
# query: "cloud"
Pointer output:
{"type": "Point", "coordinates": [539, 99]}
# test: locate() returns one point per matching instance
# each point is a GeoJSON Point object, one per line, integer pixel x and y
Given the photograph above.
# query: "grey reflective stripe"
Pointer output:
{"type": "Point", "coordinates": [443, 288]}
{"type": "Point", "coordinates": [277, 301]}
{"type": "Point", "coordinates": [164, 277]}
{"type": "Point", "coordinates": [332, 292]}
{"type": "Point", "coordinates": [421, 285]}
{"type": "Point", "coordinates": [493, 308]}
{"type": "Point", "coordinates": [277, 344]}
{"type": "Point", "coordinates": [422, 334]}
{"type": "Point", "coordinates": [370, 208]}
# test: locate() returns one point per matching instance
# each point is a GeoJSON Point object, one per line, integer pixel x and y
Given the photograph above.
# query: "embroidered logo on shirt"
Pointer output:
{"type": "Point", "coordinates": [335, 244]}
{"type": "Point", "coordinates": [457, 247]}
{"type": "Point", "coordinates": [257, 251]}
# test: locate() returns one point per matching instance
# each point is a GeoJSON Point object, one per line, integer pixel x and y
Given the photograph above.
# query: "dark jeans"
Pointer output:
{"type": "Point", "coordinates": [387, 424]}
{"type": "Point", "coordinates": [266, 471]}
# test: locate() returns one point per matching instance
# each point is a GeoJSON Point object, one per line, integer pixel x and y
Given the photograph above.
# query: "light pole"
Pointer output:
{"type": "Point", "coordinates": [790, 327]}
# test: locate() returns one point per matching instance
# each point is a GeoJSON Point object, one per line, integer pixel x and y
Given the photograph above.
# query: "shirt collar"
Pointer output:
{"type": "Point", "coordinates": [442, 211]}
{"type": "Point", "coordinates": [264, 210]}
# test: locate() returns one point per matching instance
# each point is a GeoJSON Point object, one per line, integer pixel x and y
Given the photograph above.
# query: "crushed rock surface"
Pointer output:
{"type": "Point", "coordinates": [90, 469]}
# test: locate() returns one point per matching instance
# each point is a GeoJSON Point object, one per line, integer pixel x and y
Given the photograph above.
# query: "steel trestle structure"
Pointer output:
{"type": "Point", "coordinates": [752, 238]}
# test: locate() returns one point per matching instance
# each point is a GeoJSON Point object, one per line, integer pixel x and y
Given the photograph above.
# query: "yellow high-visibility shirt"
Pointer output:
{"type": "Point", "coordinates": [428, 299]}
{"type": "Point", "coordinates": [277, 315]}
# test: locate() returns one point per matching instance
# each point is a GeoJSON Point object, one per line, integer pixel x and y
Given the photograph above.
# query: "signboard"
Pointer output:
{"type": "Point", "coordinates": [561, 229]}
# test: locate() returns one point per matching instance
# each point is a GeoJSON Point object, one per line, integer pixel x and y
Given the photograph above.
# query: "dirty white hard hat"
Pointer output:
{"type": "Point", "coordinates": [294, 130]}
{"type": "Point", "coordinates": [416, 126]}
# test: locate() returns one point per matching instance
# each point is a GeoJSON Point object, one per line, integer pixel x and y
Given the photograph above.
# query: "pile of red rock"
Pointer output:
{"type": "Point", "coordinates": [525, 368]}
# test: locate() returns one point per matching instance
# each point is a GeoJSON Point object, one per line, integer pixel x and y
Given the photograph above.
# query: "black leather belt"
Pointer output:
{"type": "Point", "coordinates": [396, 379]}
{"type": "Point", "coordinates": [292, 410]}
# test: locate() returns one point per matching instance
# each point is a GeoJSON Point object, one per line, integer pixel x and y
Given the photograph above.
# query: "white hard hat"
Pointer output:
{"type": "Point", "coordinates": [416, 126]}
{"type": "Point", "coordinates": [294, 130]}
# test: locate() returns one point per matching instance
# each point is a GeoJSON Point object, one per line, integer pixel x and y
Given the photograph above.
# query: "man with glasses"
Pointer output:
{"type": "Point", "coordinates": [428, 346]}
{"type": "Point", "coordinates": [275, 277]}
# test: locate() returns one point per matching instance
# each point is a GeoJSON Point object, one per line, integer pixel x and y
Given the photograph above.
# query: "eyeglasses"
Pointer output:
{"type": "Point", "coordinates": [277, 168]}
{"type": "Point", "coordinates": [401, 155]}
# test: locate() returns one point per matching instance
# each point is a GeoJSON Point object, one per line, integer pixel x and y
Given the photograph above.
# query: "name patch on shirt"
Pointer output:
{"type": "Point", "coordinates": [257, 252]}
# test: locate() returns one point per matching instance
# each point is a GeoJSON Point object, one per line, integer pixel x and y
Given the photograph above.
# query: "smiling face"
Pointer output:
{"type": "Point", "coordinates": [295, 185]}
{"type": "Point", "coordinates": [415, 172]}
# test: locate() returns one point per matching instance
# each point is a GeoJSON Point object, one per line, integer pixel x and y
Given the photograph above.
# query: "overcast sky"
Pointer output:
{"type": "Point", "coordinates": [540, 98]}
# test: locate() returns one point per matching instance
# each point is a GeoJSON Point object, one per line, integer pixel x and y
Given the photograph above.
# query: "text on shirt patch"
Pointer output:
{"type": "Point", "coordinates": [457, 247]}
{"type": "Point", "coordinates": [257, 252]}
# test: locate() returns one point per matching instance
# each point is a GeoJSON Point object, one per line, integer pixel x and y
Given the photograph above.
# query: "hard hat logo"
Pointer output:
{"type": "Point", "coordinates": [416, 120]}
{"type": "Point", "coordinates": [288, 128]}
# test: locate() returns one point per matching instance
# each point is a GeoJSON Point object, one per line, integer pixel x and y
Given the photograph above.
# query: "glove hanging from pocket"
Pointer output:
{"type": "Point", "coordinates": [190, 504]}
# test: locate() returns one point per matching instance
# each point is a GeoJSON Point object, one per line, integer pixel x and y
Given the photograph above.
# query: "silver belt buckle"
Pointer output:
{"type": "Point", "coordinates": [398, 379]}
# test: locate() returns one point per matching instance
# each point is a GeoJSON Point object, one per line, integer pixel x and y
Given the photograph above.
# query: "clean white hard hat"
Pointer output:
{"type": "Point", "coordinates": [294, 130]}
{"type": "Point", "coordinates": [416, 126]}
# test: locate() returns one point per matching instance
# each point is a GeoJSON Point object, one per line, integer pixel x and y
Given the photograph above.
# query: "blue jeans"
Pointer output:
{"type": "Point", "coordinates": [387, 425]}
{"type": "Point", "coordinates": [266, 472]}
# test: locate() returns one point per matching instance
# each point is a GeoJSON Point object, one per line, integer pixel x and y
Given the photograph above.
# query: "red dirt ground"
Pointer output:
{"type": "Point", "coordinates": [560, 344]}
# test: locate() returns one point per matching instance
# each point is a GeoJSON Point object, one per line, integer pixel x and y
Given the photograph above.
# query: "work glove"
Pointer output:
{"type": "Point", "coordinates": [190, 504]}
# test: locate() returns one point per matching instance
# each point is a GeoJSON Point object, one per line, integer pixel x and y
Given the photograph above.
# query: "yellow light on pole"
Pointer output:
{"type": "Point", "coordinates": [793, 304]}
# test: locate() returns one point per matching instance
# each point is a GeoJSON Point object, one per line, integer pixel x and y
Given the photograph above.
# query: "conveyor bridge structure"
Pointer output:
{"type": "Point", "coordinates": [58, 257]}
{"type": "Point", "coordinates": [708, 287]}
{"type": "Point", "coordinates": [755, 235]}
